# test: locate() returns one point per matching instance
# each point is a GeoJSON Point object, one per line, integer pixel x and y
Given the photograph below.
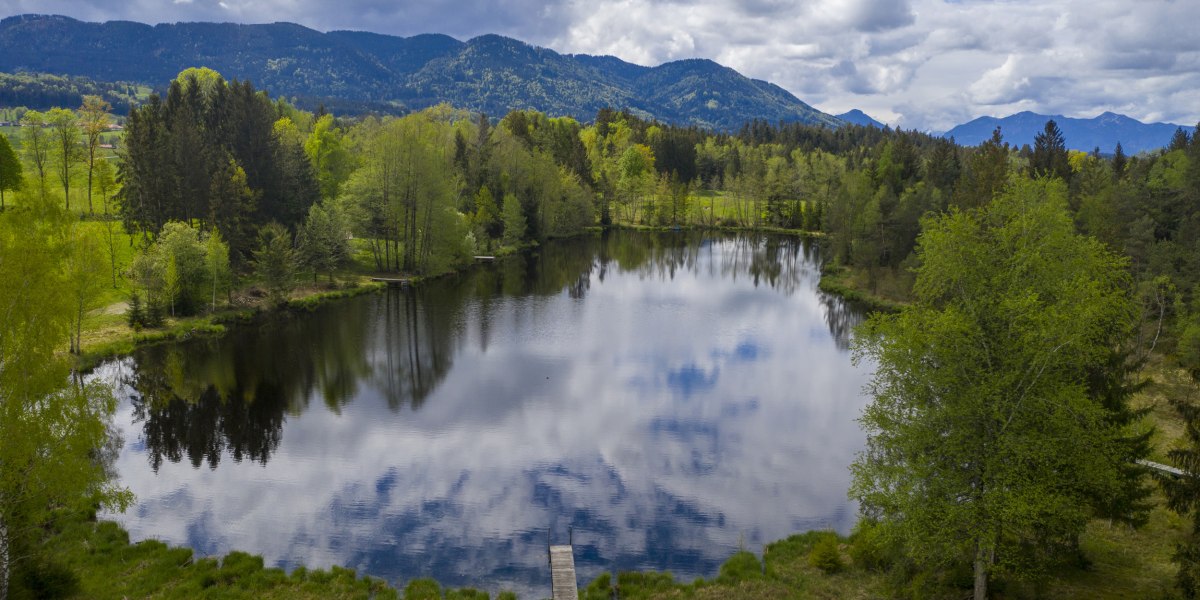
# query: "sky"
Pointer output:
{"type": "Point", "coordinates": [917, 64]}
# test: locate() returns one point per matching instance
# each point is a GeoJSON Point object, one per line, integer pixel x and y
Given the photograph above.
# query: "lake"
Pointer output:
{"type": "Point", "coordinates": [661, 399]}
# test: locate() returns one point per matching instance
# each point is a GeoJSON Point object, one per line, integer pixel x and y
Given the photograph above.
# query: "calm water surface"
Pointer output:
{"type": "Point", "coordinates": [669, 398]}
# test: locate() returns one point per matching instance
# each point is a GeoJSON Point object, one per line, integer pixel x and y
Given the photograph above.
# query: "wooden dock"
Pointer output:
{"type": "Point", "coordinates": [393, 281]}
{"type": "Point", "coordinates": [1161, 468]}
{"type": "Point", "coordinates": [562, 573]}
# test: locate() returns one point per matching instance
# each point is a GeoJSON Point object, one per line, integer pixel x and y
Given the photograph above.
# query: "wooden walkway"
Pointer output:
{"type": "Point", "coordinates": [562, 573]}
{"type": "Point", "coordinates": [1161, 468]}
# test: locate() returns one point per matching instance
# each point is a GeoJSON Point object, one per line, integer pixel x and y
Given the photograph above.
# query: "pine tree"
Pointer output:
{"type": "Point", "coordinates": [1050, 158]}
{"type": "Point", "coordinates": [1119, 162]}
{"type": "Point", "coordinates": [10, 169]}
{"type": "Point", "coordinates": [134, 316]}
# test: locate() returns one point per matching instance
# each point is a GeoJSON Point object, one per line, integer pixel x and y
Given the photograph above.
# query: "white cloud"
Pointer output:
{"type": "Point", "coordinates": [917, 63]}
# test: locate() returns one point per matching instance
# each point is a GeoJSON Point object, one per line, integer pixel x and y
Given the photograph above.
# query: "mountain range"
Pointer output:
{"type": "Point", "coordinates": [1103, 131]}
{"type": "Point", "coordinates": [358, 71]}
{"type": "Point", "coordinates": [858, 117]}
{"type": "Point", "coordinates": [354, 72]}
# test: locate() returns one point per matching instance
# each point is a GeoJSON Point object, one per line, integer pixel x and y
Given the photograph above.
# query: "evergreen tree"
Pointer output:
{"type": "Point", "coordinates": [1179, 141]}
{"type": "Point", "coordinates": [1050, 157]}
{"type": "Point", "coordinates": [322, 241]}
{"type": "Point", "coordinates": [1119, 162]}
{"type": "Point", "coordinates": [275, 261]}
{"type": "Point", "coordinates": [10, 169]}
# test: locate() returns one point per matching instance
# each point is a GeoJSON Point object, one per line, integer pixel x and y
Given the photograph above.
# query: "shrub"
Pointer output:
{"type": "Point", "coordinates": [825, 554]}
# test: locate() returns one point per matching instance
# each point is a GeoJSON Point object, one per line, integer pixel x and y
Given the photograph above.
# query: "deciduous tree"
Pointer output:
{"type": "Point", "coordinates": [35, 145]}
{"type": "Point", "coordinates": [984, 445]}
{"type": "Point", "coordinates": [53, 429]}
{"type": "Point", "coordinates": [93, 120]}
{"type": "Point", "coordinates": [64, 135]}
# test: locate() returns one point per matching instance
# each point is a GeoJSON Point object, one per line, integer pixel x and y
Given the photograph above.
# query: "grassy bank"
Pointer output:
{"type": "Point", "coordinates": [95, 560]}
{"type": "Point", "coordinates": [852, 284]}
{"type": "Point", "coordinates": [107, 332]}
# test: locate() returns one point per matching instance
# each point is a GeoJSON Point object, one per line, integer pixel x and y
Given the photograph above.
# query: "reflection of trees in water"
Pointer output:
{"type": "Point", "coordinates": [778, 261]}
{"type": "Point", "coordinates": [413, 348]}
{"type": "Point", "coordinates": [841, 316]}
{"type": "Point", "coordinates": [204, 398]}
{"type": "Point", "coordinates": [234, 392]}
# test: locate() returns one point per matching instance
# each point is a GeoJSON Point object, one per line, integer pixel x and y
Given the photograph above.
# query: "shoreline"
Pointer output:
{"type": "Point", "coordinates": [784, 567]}
{"type": "Point", "coordinates": [111, 341]}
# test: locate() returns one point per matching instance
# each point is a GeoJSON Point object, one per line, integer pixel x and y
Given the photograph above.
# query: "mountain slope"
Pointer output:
{"type": "Point", "coordinates": [489, 73]}
{"type": "Point", "coordinates": [1103, 131]}
{"type": "Point", "coordinates": [858, 117]}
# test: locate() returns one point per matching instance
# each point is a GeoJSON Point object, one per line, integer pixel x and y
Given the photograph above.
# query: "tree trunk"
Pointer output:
{"type": "Point", "coordinates": [4, 560]}
{"type": "Point", "coordinates": [983, 560]}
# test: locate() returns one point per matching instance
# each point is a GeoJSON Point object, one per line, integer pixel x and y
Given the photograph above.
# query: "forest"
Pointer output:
{"type": "Point", "coordinates": [216, 188]}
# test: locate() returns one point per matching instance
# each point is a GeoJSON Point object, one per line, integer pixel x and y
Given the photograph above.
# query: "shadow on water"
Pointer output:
{"type": "Point", "coordinates": [641, 388]}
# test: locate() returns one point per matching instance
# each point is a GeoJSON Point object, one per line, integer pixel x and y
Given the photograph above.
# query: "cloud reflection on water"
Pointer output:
{"type": "Point", "coordinates": [664, 395]}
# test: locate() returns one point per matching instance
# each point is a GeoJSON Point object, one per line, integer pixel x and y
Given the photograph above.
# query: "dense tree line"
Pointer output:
{"type": "Point", "coordinates": [224, 182]}
{"type": "Point", "coordinates": [41, 91]}
{"type": "Point", "coordinates": [211, 153]}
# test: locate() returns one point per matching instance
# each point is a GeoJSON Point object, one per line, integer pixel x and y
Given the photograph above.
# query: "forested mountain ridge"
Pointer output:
{"type": "Point", "coordinates": [358, 71]}
{"type": "Point", "coordinates": [1104, 131]}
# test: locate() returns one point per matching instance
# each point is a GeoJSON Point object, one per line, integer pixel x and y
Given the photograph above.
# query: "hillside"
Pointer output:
{"type": "Point", "coordinates": [858, 117]}
{"type": "Point", "coordinates": [360, 72]}
{"type": "Point", "coordinates": [1103, 131]}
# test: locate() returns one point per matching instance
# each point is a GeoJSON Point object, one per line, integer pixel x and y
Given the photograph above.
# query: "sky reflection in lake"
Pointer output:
{"type": "Point", "coordinates": [670, 397]}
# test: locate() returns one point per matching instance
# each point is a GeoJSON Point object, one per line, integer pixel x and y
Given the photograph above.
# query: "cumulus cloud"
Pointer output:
{"type": "Point", "coordinates": [916, 63]}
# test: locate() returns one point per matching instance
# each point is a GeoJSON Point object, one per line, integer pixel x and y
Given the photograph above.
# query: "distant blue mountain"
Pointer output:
{"type": "Point", "coordinates": [858, 117]}
{"type": "Point", "coordinates": [1103, 131]}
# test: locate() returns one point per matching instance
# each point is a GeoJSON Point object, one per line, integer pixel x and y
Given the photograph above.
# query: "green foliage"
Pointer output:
{"type": "Point", "coordinates": [43, 91]}
{"type": "Point", "coordinates": [514, 221]}
{"type": "Point", "coordinates": [275, 261]}
{"type": "Point", "coordinates": [235, 177]}
{"type": "Point", "coordinates": [826, 555]}
{"type": "Point", "coordinates": [600, 588]}
{"type": "Point", "coordinates": [11, 173]}
{"type": "Point", "coordinates": [984, 446]}
{"type": "Point", "coordinates": [331, 162]}
{"type": "Point", "coordinates": [423, 589]}
{"type": "Point", "coordinates": [180, 272]}
{"type": "Point", "coordinates": [868, 548]}
{"type": "Point", "coordinates": [1183, 496]}
{"type": "Point", "coordinates": [135, 316]}
{"type": "Point", "coordinates": [322, 241]}
{"type": "Point", "coordinates": [53, 426]}
{"type": "Point", "coordinates": [467, 594]}
{"type": "Point", "coordinates": [35, 147]}
{"type": "Point", "coordinates": [87, 277]}
{"type": "Point", "coordinates": [216, 262]}
{"type": "Point", "coordinates": [742, 566]}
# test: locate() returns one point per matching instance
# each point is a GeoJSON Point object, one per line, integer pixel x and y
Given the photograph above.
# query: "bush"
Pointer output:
{"type": "Point", "coordinates": [868, 549]}
{"type": "Point", "coordinates": [466, 594]}
{"type": "Point", "coordinates": [47, 580]}
{"type": "Point", "coordinates": [423, 589]}
{"type": "Point", "coordinates": [743, 566]}
{"type": "Point", "coordinates": [825, 554]}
